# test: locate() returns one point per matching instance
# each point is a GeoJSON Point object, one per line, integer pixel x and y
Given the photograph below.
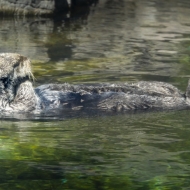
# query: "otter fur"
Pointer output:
{"type": "Point", "coordinates": [18, 95]}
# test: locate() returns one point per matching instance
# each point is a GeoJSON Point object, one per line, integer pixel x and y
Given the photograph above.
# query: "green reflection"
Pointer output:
{"type": "Point", "coordinates": [138, 151]}
{"type": "Point", "coordinates": [89, 70]}
{"type": "Point", "coordinates": [185, 58]}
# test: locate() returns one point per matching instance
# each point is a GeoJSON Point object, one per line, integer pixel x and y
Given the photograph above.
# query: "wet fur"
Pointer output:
{"type": "Point", "coordinates": [17, 93]}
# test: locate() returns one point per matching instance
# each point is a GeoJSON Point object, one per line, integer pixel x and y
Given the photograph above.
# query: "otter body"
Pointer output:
{"type": "Point", "coordinates": [18, 95]}
{"type": "Point", "coordinates": [112, 97]}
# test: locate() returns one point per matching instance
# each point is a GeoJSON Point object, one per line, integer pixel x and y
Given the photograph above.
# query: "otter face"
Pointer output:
{"type": "Point", "coordinates": [14, 70]}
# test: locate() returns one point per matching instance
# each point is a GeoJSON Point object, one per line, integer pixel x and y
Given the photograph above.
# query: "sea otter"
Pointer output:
{"type": "Point", "coordinates": [18, 95]}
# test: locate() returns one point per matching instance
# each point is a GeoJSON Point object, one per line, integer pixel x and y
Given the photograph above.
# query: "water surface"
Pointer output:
{"type": "Point", "coordinates": [138, 151]}
{"type": "Point", "coordinates": [109, 41]}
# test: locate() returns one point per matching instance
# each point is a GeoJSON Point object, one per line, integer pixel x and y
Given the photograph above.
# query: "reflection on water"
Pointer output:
{"type": "Point", "coordinates": [105, 41]}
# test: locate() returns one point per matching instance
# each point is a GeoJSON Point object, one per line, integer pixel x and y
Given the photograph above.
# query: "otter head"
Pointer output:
{"type": "Point", "coordinates": [14, 70]}
{"type": "Point", "coordinates": [14, 66]}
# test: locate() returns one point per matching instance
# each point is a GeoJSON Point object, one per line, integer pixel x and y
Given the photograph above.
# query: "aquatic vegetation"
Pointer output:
{"type": "Point", "coordinates": [134, 152]}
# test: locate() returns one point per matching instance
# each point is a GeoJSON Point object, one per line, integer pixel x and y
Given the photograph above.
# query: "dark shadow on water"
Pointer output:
{"type": "Point", "coordinates": [67, 114]}
{"type": "Point", "coordinates": [63, 22]}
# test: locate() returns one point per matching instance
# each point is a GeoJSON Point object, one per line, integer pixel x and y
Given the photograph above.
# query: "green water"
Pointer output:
{"type": "Point", "coordinates": [138, 151]}
{"type": "Point", "coordinates": [123, 41]}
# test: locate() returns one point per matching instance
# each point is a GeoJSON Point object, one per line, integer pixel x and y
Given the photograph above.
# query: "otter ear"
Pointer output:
{"type": "Point", "coordinates": [187, 93]}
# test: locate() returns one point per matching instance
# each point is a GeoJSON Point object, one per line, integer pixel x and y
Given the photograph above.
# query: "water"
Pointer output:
{"type": "Point", "coordinates": [138, 151]}
{"type": "Point", "coordinates": [111, 42]}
